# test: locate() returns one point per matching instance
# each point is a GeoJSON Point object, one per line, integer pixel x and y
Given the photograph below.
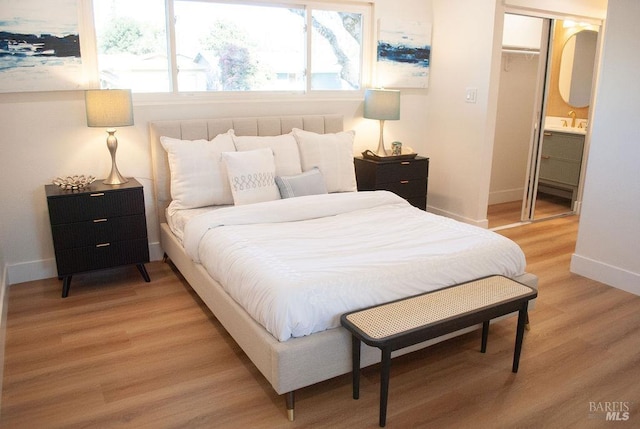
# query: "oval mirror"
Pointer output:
{"type": "Point", "coordinates": [576, 68]}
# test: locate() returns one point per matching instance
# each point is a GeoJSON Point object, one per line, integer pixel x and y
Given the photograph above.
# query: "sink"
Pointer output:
{"type": "Point", "coordinates": [569, 130]}
{"type": "Point", "coordinates": [556, 124]}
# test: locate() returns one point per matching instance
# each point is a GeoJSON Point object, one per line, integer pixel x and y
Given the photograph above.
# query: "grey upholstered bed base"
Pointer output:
{"type": "Point", "coordinates": [288, 365]}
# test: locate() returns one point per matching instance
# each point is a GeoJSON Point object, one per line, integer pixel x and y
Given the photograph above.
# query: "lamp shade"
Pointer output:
{"type": "Point", "coordinates": [382, 104]}
{"type": "Point", "coordinates": [109, 107]}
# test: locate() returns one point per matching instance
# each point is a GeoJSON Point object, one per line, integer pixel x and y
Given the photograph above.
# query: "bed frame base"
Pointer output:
{"type": "Point", "coordinates": [288, 365]}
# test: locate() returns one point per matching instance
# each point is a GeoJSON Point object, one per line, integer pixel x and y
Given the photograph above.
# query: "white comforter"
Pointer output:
{"type": "Point", "coordinates": [297, 264]}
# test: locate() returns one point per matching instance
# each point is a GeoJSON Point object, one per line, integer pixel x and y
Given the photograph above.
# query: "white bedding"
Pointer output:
{"type": "Point", "coordinates": [297, 264]}
{"type": "Point", "coordinates": [177, 219]}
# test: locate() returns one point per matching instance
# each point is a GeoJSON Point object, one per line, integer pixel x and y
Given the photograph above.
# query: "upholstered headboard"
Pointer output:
{"type": "Point", "coordinates": [193, 129]}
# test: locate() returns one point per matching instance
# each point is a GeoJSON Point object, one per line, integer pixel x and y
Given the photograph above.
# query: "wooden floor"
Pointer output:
{"type": "Point", "coordinates": [121, 353]}
{"type": "Point", "coordinates": [547, 206]}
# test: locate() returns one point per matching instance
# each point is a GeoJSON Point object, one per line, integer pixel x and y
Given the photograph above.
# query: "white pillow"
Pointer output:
{"type": "Point", "coordinates": [332, 154]}
{"type": "Point", "coordinates": [285, 151]}
{"type": "Point", "coordinates": [198, 178]}
{"type": "Point", "coordinates": [251, 176]}
{"type": "Point", "coordinates": [308, 183]}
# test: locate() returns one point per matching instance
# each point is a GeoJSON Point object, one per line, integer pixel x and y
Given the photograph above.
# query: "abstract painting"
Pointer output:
{"type": "Point", "coordinates": [404, 51]}
{"type": "Point", "coordinates": [39, 45]}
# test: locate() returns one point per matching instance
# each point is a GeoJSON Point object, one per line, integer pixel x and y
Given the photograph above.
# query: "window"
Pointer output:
{"type": "Point", "coordinates": [336, 54]}
{"type": "Point", "coordinates": [132, 44]}
{"type": "Point", "coordinates": [216, 46]}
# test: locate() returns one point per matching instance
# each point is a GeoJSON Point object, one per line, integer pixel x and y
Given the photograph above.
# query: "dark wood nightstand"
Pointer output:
{"type": "Point", "coordinates": [101, 226]}
{"type": "Point", "coordinates": [407, 178]}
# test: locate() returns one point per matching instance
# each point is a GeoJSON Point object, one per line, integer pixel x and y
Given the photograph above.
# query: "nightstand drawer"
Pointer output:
{"type": "Point", "coordinates": [106, 255]}
{"type": "Point", "coordinates": [406, 188]}
{"type": "Point", "coordinates": [401, 171]}
{"type": "Point", "coordinates": [95, 205]}
{"type": "Point", "coordinates": [98, 231]}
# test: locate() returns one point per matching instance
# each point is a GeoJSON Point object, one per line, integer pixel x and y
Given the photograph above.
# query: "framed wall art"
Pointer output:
{"type": "Point", "coordinates": [40, 45]}
{"type": "Point", "coordinates": [403, 54]}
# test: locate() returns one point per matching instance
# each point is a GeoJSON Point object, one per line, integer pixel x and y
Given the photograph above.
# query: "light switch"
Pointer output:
{"type": "Point", "coordinates": [471, 95]}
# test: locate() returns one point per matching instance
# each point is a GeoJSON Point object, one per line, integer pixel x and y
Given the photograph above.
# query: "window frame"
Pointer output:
{"type": "Point", "coordinates": [366, 8]}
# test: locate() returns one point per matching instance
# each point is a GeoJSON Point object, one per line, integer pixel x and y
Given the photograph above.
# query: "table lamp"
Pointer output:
{"type": "Point", "coordinates": [382, 104]}
{"type": "Point", "coordinates": [110, 108]}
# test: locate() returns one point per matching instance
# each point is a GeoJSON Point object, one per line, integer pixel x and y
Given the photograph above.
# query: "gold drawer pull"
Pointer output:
{"type": "Point", "coordinates": [404, 182]}
{"type": "Point", "coordinates": [405, 163]}
{"type": "Point", "coordinates": [103, 245]}
{"type": "Point", "coordinates": [97, 194]}
{"type": "Point", "coordinates": [99, 220]}
{"type": "Point", "coordinates": [546, 157]}
{"type": "Point", "coordinates": [548, 134]}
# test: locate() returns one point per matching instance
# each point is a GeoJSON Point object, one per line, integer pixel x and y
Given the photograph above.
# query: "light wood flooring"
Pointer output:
{"type": "Point", "coordinates": [509, 213]}
{"type": "Point", "coordinates": [121, 353]}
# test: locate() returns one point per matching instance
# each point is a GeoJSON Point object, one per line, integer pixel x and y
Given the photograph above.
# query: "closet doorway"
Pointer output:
{"type": "Point", "coordinates": [542, 119]}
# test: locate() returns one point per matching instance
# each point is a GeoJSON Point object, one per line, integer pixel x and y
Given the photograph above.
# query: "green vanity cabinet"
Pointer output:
{"type": "Point", "coordinates": [560, 164]}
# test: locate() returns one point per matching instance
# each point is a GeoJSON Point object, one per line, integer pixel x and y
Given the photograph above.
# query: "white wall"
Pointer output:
{"type": "Point", "coordinates": [460, 134]}
{"type": "Point", "coordinates": [608, 246]}
{"type": "Point", "coordinates": [3, 304]}
{"type": "Point", "coordinates": [518, 77]}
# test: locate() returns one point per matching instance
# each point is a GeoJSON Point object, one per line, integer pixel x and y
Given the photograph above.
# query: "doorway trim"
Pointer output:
{"type": "Point", "coordinates": [551, 16]}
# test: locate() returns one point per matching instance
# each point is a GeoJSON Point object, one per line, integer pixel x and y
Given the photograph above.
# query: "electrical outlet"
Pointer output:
{"type": "Point", "coordinates": [471, 95]}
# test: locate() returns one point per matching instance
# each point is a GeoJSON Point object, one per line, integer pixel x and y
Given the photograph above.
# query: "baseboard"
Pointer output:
{"type": "Point", "coordinates": [481, 223]}
{"type": "Point", "coordinates": [605, 273]}
{"type": "Point", "coordinates": [46, 268]}
{"type": "Point", "coordinates": [506, 196]}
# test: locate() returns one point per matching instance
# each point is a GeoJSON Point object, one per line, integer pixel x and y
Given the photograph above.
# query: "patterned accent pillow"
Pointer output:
{"type": "Point", "coordinates": [251, 176]}
{"type": "Point", "coordinates": [308, 183]}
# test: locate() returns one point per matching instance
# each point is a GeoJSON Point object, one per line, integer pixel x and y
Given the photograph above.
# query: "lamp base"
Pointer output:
{"type": "Point", "coordinates": [381, 151]}
{"type": "Point", "coordinates": [114, 178]}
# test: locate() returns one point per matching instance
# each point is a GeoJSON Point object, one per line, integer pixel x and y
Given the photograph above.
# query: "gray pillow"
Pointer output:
{"type": "Point", "coordinates": [308, 183]}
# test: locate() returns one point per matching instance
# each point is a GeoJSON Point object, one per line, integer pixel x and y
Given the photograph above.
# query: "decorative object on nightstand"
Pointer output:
{"type": "Point", "coordinates": [382, 104]}
{"type": "Point", "coordinates": [396, 148]}
{"type": "Point", "coordinates": [100, 226]}
{"type": "Point", "coordinates": [406, 177]}
{"type": "Point", "coordinates": [75, 182]}
{"type": "Point", "coordinates": [110, 108]}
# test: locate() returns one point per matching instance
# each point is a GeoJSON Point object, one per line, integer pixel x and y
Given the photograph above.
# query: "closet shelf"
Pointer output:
{"type": "Point", "coordinates": [520, 50]}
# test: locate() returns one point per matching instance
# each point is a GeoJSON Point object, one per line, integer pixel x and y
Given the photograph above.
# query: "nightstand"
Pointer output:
{"type": "Point", "coordinates": [407, 178]}
{"type": "Point", "coordinates": [101, 226]}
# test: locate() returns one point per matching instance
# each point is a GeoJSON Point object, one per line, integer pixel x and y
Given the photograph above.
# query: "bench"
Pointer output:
{"type": "Point", "coordinates": [412, 320]}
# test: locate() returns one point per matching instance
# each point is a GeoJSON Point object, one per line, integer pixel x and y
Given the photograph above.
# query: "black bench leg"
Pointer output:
{"type": "Point", "coordinates": [384, 384]}
{"type": "Point", "coordinates": [355, 362]}
{"type": "Point", "coordinates": [485, 336]}
{"type": "Point", "coordinates": [522, 319]}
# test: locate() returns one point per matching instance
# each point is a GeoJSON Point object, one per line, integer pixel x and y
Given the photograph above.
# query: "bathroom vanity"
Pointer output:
{"type": "Point", "coordinates": [560, 163]}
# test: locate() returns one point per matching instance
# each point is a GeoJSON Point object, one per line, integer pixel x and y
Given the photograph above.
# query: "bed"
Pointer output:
{"type": "Point", "coordinates": [293, 355]}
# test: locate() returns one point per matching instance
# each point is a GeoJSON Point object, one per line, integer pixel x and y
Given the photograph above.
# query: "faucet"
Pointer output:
{"type": "Point", "coordinates": [572, 114]}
